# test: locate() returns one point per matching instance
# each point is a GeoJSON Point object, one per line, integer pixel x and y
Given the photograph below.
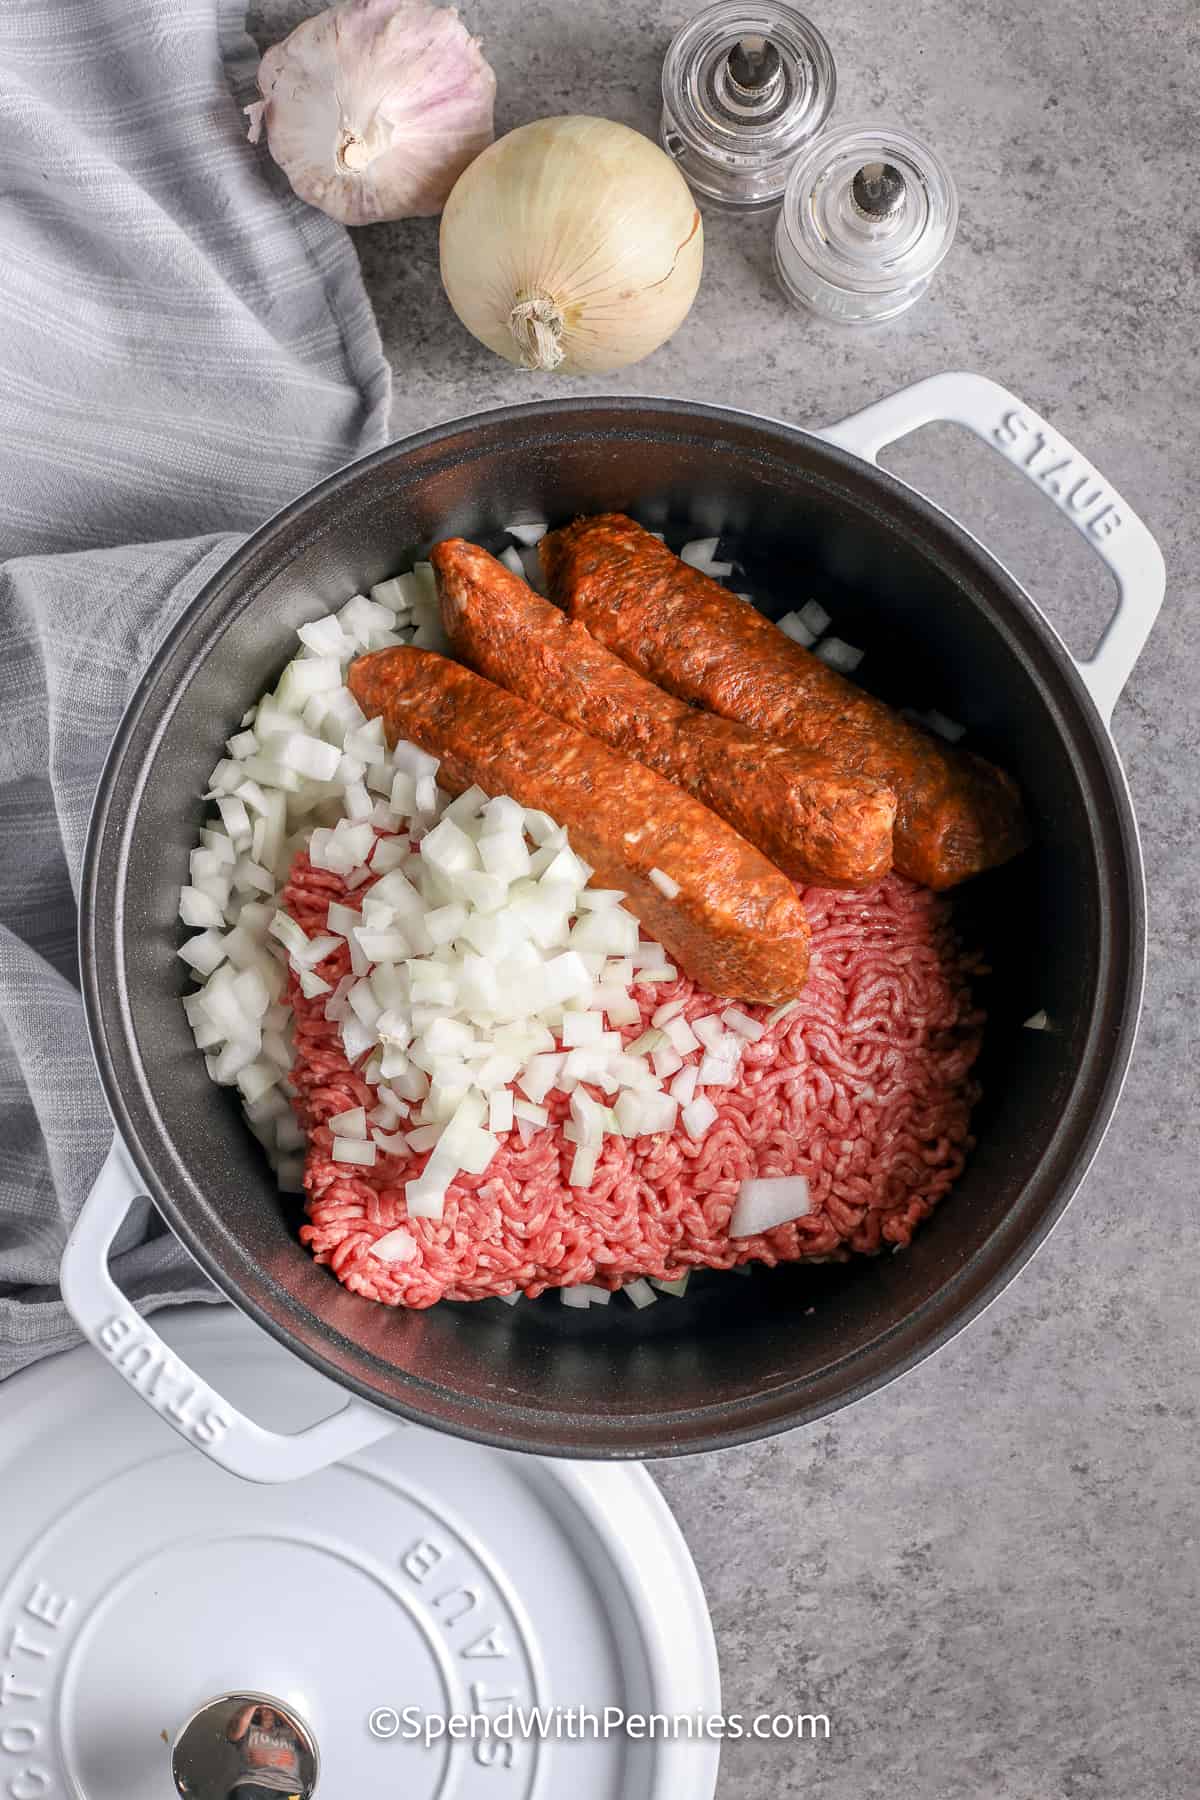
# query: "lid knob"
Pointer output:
{"type": "Point", "coordinates": [236, 1737]}
{"type": "Point", "coordinates": [754, 68]}
{"type": "Point", "coordinates": [878, 190]}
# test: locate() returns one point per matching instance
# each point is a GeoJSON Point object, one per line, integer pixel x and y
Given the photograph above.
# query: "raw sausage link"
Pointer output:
{"type": "Point", "coordinates": [957, 814]}
{"type": "Point", "coordinates": [736, 926]}
{"type": "Point", "coordinates": [815, 823]}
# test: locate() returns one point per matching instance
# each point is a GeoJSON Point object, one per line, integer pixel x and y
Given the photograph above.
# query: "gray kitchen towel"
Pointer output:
{"type": "Point", "coordinates": [184, 346]}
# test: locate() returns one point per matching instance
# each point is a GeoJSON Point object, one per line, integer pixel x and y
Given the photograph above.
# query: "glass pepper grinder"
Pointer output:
{"type": "Point", "coordinates": [867, 218]}
{"type": "Point", "coordinates": [744, 90]}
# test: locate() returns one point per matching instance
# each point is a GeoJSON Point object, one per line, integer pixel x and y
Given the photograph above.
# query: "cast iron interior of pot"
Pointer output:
{"type": "Point", "coordinates": [1061, 928]}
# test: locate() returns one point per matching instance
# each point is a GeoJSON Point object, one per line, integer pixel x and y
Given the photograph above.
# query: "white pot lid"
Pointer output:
{"type": "Point", "coordinates": [138, 1581]}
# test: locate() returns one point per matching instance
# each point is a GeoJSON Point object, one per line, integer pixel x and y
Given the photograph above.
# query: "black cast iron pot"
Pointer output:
{"type": "Point", "coordinates": [1063, 927]}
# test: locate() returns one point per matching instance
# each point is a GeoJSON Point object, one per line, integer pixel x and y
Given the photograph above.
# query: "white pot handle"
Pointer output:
{"type": "Point", "coordinates": [1044, 457]}
{"type": "Point", "coordinates": [195, 1410]}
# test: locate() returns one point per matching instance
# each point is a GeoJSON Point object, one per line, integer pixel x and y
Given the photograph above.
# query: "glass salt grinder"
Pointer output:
{"type": "Point", "coordinates": [745, 88]}
{"type": "Point", "coordinates": [867, 217]}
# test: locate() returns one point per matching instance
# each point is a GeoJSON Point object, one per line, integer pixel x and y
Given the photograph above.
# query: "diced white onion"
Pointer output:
{"type": "Point", "coordinates": [839, 655]}
{"type": "Point", "coordinates": [813, 614]}
{"type": "Point", "coordinates": [701, 554]}
{"type": "Point", "coordinates": [583, 1166]}
{"type": "Point", "coordinates": [640, 1292]}
{"type": "Point", "coordinates": [793, 626]}
{"type": "Point", "coordinates": [476, 963]}
{"type": "Point", "coordinates": [309, 756]}
{"type": "Point", "coordinates": [396, 1246]}
{"type": "Point", "coordinates": [670, 1009]}
{"type": "Point", "coordinates": [392, 1143]}
{"type": "Point", "coordinates": [743, 1024]}
{"type": "Point", "coordinates": [678, 1288]}
{"type": "Point", "coordinates": [527, 534]}
{"type": "Point", "coordinates": [197, 908]}
{"type": "Point", "coordinates": [946, 728]}
{"type": "Point", "coordinates": [500, 1110]}
{"type": "Point", "coordinates": [681, 1035]}
{"type": "Point", "coordinates": [324, 637]}
{"type": "Point", "coordinates": [768, 1201]}
{"type": "Point", "coordinates": [715, 1071]}
{"type": "Point", "coordinates": [697, 1116]}
{"type": "Point", "coordinates": [665, 1061]}
{"type": "Point", "coordinates": [683, 1085]}
{"type": "Point", "coordinates": [235, 818]}
{"type": "Point", "coordinates": [351, 1124]}
{"type": "Point", "coordinates": [204, 953]}
{"type": "Point", "coordinates": [351, 1150]}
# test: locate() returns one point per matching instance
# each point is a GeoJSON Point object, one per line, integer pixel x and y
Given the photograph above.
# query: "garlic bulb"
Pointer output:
{"type": "Point", "coordinates": [572, 244]}
{"type": "Point", "coordinates": [374, 109]}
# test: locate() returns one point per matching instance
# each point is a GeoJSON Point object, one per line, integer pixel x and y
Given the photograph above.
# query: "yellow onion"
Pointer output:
{"type": "Point", "coordinates": [572, 244]}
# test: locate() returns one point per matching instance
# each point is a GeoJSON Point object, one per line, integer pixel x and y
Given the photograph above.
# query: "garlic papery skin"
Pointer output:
{"type": "Point", "coordinates": [573, 244]}
{"type": "Point", "coordinates": [373, 110]}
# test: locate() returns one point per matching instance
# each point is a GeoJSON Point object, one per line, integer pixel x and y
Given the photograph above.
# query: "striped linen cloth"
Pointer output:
{"type": "Point", "coordinates": [184, 346]}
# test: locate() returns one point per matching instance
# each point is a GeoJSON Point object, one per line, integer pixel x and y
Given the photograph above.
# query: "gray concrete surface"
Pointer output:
{"type": "Point", "coordinates": [987, 1575]}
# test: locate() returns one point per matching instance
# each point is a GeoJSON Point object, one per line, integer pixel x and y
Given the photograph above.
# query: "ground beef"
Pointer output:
{"type": "Point", "coordinates": [865, 1089]}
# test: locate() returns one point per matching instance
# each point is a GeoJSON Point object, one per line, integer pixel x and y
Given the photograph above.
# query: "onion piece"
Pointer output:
{"type": "Point", "coordinates": [683, 1087]}
{"type": "Point", "coordinates": [670, 1009]}
{"type": "Point", "coordinates": [392, 1143]}
{"type": "Point", "coordinates": [500, 1110]}
{"type": "Point", "coordinates": [396, 1246]}
{"type": "Point", "coordinates": [665, 1061]}
{"type": "Point", "coordinates": [839, 655]}
{"type": "Point", "coordinates": [640, 1292]}
{"type": "Point", "coordinates": [583, 1166]}
{"type": "Point", "coordinates": [743, 1024]}
{"type": "Point", "coordinates": [813, 614]}
{"type": "Point", "coordinates": [701, 554]}
{"type": "Point", "coordinates": [325, 637]}
{"type": "Point", "coordinates": [527, 534]}
{"type": "Point", "coordinates": [665, 884]}
{"type": "Point", "coordinates": [204, 953]}
{"type": "Point", "coordinates": [657, 977]}
{"type": "Point", "coordinates": [199, 909]}
{"type": "Point", "coordinates": [767, 1202]}
{"type": "Point", "coordinates": [681, 1036]}
{"type": "Point", "coordinates": [309, 756]}
{"type": "Point", "coordinates": [678, 1288]}
{"type": "Point", "coordinates": [698, 1116]}
{"type": "Point", "coordinates": [352, 1150]}
{"type": "Point", "coordinates": [793, 626]}
{"type": "Point", "coordinates": [351, 1124]}
{"type": "Point", "coordinates": [943, 727]}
